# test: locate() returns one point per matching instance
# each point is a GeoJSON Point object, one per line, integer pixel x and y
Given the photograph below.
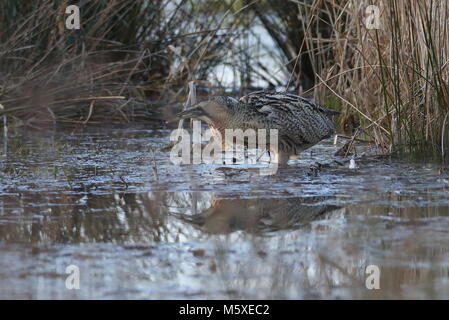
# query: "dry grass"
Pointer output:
{"type": "Point", "coordinates": [391, 82]}
{"type": "Point", "coordinates": [127, 55]}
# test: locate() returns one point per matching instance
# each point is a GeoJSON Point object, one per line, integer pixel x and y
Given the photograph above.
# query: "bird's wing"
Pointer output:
{"type": "Point", "coordinates": [264, 101]}
{"type": "Point", "coordinates": [300, 121]}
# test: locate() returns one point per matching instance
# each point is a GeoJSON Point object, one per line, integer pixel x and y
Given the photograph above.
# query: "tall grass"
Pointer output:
{"type": "Point", "coordinates": [391, 82]}
{"type": "Point", "coordinates": [126, 54]}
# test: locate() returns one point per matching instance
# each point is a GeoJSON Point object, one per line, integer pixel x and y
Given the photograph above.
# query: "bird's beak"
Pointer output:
{"type": "Point", "coordinates": [195, 112]}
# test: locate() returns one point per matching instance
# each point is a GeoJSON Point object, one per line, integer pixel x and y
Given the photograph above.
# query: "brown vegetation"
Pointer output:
{"type": "Point", "coordinates": [129, 57]}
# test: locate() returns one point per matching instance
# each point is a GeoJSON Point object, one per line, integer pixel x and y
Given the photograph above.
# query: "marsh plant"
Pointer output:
{"type": "Point", "coordinates": [384, 64]}
{"type": "Point", "coordinates": [127, 58]}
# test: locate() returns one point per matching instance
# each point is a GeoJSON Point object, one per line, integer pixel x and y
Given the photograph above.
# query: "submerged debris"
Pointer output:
{"type": "Point", "coordinates": [352, 164]}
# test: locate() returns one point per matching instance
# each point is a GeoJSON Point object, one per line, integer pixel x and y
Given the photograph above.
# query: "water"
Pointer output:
{"type": "Point", "coordinates": [110, 202]}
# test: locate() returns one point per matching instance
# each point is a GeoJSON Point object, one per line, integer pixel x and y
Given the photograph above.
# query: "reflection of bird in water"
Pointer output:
{"type": "Point", "coordinates": [301, 123]}
{"type": "Point", "coordinates": [259, 215]}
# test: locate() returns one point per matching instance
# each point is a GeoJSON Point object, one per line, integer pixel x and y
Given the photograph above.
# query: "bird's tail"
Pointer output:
{"type": "Point", "coordinates": [330, 113]}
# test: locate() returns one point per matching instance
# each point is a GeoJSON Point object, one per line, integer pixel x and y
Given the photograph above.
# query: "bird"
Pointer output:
{"type": "Point", "coordinates": [260, 215]}
{"type": "Point", "coordinates": [301, 122]}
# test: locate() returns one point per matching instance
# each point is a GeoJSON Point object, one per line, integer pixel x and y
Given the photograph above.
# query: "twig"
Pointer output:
{"type": "Point", "coordinates": [344, 150]}
{"type": "Point", "coordinates": [192, 94]}
{"type": "Point", "coordinates": [442, 136]}
{"type": "Point", "coordinates": [133, 69]}
{"type": "Point", "coordinates": [351, 138]}
{"type": "Point", "coordinates": [191, 100]}
{"type": "Point", "coordinates": [91, 109]}
{"type": "Point", "coordinates": [88, 99]}
{"type": "Point", "coordinates": [154, 167]}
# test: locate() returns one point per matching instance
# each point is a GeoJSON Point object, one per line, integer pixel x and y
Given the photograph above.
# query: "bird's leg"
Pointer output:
{"type": "Point", "coordinates": [223, 156]}
{"type": "Point", "coordinates": [261, 155]}
{"type": "Point", "coordinates": [281, 158]}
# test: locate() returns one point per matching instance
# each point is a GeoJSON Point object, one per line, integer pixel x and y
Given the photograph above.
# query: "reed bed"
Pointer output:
{"type": "Point", "coordinates": [388, 76]}
{"type": "Point", "coordinates": [130, 57]}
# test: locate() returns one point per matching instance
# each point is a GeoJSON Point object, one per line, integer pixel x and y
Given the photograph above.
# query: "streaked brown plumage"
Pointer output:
{"type": "Point", "coordinates": [301, 123]}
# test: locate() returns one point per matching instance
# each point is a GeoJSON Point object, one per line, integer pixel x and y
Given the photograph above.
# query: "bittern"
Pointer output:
{"type": "Point", "coordinates": [301, 123]}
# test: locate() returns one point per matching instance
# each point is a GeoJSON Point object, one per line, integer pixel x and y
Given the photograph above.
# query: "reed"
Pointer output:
{"type": "Point", "coordinates": [128, 58]}
{"type": "Point", "coordinates": [390, 82]}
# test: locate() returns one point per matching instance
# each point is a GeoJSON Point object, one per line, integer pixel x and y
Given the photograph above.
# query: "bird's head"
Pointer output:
{"type": "Point", "coordinates": [213, 111]}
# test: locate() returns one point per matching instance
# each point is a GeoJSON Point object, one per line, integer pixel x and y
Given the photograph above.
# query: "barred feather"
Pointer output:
{"type": "Point", "coordinates": [301, 122]}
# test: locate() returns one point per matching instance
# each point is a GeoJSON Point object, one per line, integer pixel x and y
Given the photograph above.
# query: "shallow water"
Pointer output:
{"type": "Point", "coordinates": [110, 202]}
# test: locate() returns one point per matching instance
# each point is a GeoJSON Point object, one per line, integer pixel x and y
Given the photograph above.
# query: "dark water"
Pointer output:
{"type": "Point", "coordinates": [110, 202]}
